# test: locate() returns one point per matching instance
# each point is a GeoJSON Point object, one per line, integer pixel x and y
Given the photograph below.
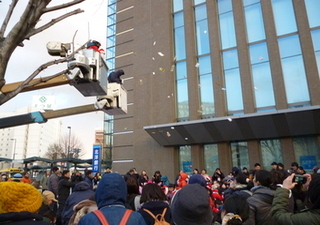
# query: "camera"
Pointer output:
{"type": "Point", "coordinates": [300, 179]}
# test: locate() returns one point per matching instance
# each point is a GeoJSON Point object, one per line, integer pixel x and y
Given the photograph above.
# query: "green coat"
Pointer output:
{"type": "Point", "coordinates": [281, 215]}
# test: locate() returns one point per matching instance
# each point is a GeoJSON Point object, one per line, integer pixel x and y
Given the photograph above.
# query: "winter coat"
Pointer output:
{"type": "Point", "coordinates": [260, 206]}
{"type": "Point", "coordinates": [64, 188]}
{"type": "Point", "coordinates": [111, 197]}
{"type": "Point", "coordinates": [114, 77]}
{"type": "Point", "coordinates": [81, 192]}
{"type": "Point", "coordinates": [165, 180]}
{"type": "Point", "coordinates": [82, 208]}
{"type": "Point", "coordinates": [156, 207]}
{"type": "Point", "coordinates": [89, 180]}
{"type": "Point", "coordinates": [43, 182]}
{"type": "Point", "coordinates": [281, 215]}
{"type": "Point", "coordinates": [53, 183]}
{"type": "Point", "coordinates": [25, 218]}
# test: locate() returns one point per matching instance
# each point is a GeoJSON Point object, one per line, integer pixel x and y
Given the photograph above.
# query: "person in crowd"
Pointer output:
{"type": "Point", "coordinates": [25, 178]}
{"type": "Point", "coordinates": [315, 169]}
{"type": "Point", "coordinates": [82, 208]}
{"type": "Point", "coordinates": [4, 177]}
{"type": "Point", "coordinates": [257, 167]}
{"type": "Point", "coordinates": [280, 203]}
{"type": "Point", "coordinates": [53, 181]}
{"type": "Point", "coordinates": [217, 175]}
{"type": "Point", "coordinates": [195, 171]}
{"type": "Point", "coordinates": [261, 200]}
{"type": "Point", "coordinates": [153, 202]}
{"type": "Point", "coordinates": [171, 192]}
{"type": "Point", "coordinates": [235, 211]}
{"type": "Point", "coordinates": [44, 180]}
{"type": "Point", "coordinates": [128, 175]}
{"type": "Point", "coordinates": [108, 170]}
{"type": "Point", "coordinates": [274, 166]}
{"type": "Point", "coordinates": [45, 210]}
{"type": "Point", "coordinates": [182, 180]}
{"type": "Point", "coordinates": [190, 206]}
{"type": "Point", "coordinates": [110, 197]}
{"type": "Point", "coordinates": [64, 186]}
{"type": "Point", "coordinates": [80, 193]}
{"type": "Point", "coordinates": [144, 178]}
{"type": "Point", "coordinates": [19, 204]}
{"type": "Point", "coordinates": [165, 180]}
{"type": "Point", "coordinates": [281, 168]}
{"type": "Point", "coordinates": [89, 178]}
{"type": "Point", "coordinates": [136, 174]}
{"type": "Point", "coordinates": [96, 179]}
{"type": "Point", "coordinates": [246, 172]}
{"type": "Point", "coordinates": [114, 77]}
{"type": "Point", "coordinates": [294, 167]}
{"type": "Point", "coordinates": [239, 186]}
{"type": "Point", "coordinates": [133, 197]}
{"type": "Point", "coordinates": [206, 176]}
{"type": "Point", "coordinates": [156, 177]}
{"type": "Point", "coordinates": [300, 170]}
{"type": "Point", "coordinates": [76, 177]}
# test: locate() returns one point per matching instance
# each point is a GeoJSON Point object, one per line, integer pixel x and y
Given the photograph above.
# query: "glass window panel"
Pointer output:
{"type": "Point", "coordinates": [211, 158]}
{"type": "Point", "coordinates": [240, 155]}
{"type": "Point", "coordinates": [284, 16]}
{"type": "Point", "coordinates": [230, 59]}
{"type": "Point", "coordinates": [295, 80]}
{"type": "Point", "coordinates": [263, 88]}
{"type": "Point", "coordinates": [111, 52]}
{"type": "Point", "coordinates": [313, 7]}
{"type": "Point", "coordinates": [178, 20]}
{"type": "Point", "coordinates": [112, 1]}
{"type": "Point", "coordinates": [111, 63]}
{"type": "Point", "coordinates": [259, 53]}
{"type": "Point", "coordinates": [111, 9]}
{"type": "Point", "coordinates": [181, 70]}
{"type": "Point", "coordinates": [182, 98]}
{"type": "Point", "coordinates": [201, 12]}
{"type": "Point", "coordinates": [111, 41]}
{"type": "Point", "coordinates": [224, 6]}
{"type": "Point", "coordinates": [233, 89]}
{"type": "Point", "coordinates": [254, 22]}
{"type": "Point", "coordinates": [227, 30]}
{"type": "Point", "coordinates": [271, 152]}
{"type": "Point", "coordinates": [177, 5]}
{"type": "Point", "coordinates": [205, 65]}
{"type": "Point", "coordinates": [206, 95]}
{"type": "Point", "coordinates": [316, 39]}
{"type": "Point", "coordinates": [196, 2]}
{"type": "Point", "coordinates": [249, 2]}
{"type": "Point", "coordinates": [203, 37]}
{"type": "Point", "coordinates": [180, 45]}
{"type": "Point", "coordinates": [111, 30]}
{"type": "Point", "coordinates": [185, 159]}
{"type": "Point", "coordinates": [289, 46]}
{"type": "Point", "coordinates": [307, 152]}
{"type": "Point", "coordinates": [112, 19]}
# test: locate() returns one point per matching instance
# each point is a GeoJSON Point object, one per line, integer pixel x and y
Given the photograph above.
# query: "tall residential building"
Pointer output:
{"type": "Point", "coordinates": [215, 83]}
{"type": "Point", "coordinates": [27, 140]}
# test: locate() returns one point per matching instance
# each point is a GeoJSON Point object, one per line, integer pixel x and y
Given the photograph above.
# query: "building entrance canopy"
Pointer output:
{"type": "Point", "coordinates": [268, 125]}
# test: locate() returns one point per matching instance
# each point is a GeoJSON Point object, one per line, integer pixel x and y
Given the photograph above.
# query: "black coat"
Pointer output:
{"type": "Point", "coordinates": [156, 207]}
{"type": "Point", "coordinates": [114, 77]}
{"type": "Point", "coordinates": [64, 188]}
{"type": "Point", "coordinates": [25, 218]}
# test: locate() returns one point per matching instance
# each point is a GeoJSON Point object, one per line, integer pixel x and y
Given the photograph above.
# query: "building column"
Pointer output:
{"type": "Point", "coordinates": [197, 157]}
{"type": "Point", "coordinates": [287, 152]}
{"type": "Point", "coordinates": [254, 152]}
{"type": "Point", "coordinates": [225, 157]}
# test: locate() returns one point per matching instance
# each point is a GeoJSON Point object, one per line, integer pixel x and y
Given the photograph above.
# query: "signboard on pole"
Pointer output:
{"type": "Point", "coordinates": [96, 158]}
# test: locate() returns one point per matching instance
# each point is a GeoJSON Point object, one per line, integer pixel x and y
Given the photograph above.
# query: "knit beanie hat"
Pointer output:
{"type": "Point", "coordinates": [190, 206]}
{"type": "Point", "coordinates": [18, 197]}
{"type": "Point", "coordinates": [197, 179]}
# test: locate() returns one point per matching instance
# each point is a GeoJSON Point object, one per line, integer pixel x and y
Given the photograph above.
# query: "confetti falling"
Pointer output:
{"type": "Point", "coordinates": [168, 134]}
{"type": "Point", "coordinates": [161, 54]}
{"type": "Point", "coordinates": [223, 89]}
{"type": "Point", "coordinates": [261, 58]}
{"type": "Point", "coordinates": [153, 58]}
{"type": "Point", "coordinates": [168, 96]}
{"type": "Point", "coordinates": [255, 88]}
{"type": "Point", "coordinates": [197, 65]}
{"type": "Point", "coordinates": [229, 119]}
{"type": "Point", "coordinates": [172, 68]}
{"type": "Point", "coordinates": [155, 42]}
{"type": "Point", "coordinates": [141, 82]}
{"type": "Point", "coordinates": [162, 69]}
{"type": "Point", "coordinates": [172, 128]}
{"type": "Point", "coordinates": [153, 73]}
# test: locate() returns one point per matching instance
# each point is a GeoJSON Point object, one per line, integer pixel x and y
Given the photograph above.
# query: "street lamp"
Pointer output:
{"type": "Point", "coordinates": [14, 151]}
{"type": "Point", "coordinates": [68, 147]}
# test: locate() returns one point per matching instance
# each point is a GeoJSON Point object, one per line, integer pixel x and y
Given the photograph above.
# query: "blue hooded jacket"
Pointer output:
{"type": "Point", "coordinates": [81, 191]}
{"type": "Point", "coordinates": [111, 196]}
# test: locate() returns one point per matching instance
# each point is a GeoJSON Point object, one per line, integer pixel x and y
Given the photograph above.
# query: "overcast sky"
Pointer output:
{"type": "Point", "coordinates": [89, 25]}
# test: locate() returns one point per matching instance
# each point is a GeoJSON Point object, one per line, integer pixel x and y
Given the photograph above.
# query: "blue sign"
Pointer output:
{"type": "Point", "coordinates": [308, 162]}
{"type": "Point", "coordinates": [96, 158]}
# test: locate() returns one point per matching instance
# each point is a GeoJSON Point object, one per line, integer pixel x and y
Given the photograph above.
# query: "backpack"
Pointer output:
{"type": "Point", "coordinates": [103, 220]}
{"type": "Point", "coordinates": [158, 219]}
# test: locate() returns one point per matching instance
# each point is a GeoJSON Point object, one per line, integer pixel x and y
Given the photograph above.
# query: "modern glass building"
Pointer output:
{"type": "Point", "coordinates": [215, 83]}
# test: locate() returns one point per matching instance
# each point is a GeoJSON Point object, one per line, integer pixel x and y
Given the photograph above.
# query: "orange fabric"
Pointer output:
{"type": "Point", "coordinates": [26, 180]}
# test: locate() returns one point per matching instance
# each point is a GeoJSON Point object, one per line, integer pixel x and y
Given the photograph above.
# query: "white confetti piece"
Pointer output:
{"type": "Point", "coordinates": [155, 42]}
{"type": "Point", "coordinates": [255, 88]}
{"type": "Point", "coordinates": [153, 73]}
{"type": "Point", "coordinates": [161, 54]}
{"type": "Point", "coordinates": [229, 119]}
{"type": "Point", "coordinates": [223, 89]}
{"type": "Point", "coordinates": [153, 58]}
{"type": "Point", "coordinates": [168, 134]}
{"type": "Point", "coordinates": [162, 69]}
{"type": "Point", "coordinates": [261, 58]}
{"type": "Point", "coordinates": [197, 65]}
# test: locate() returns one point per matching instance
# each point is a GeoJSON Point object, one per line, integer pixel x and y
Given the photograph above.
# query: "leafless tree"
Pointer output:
{"type": "Point", "coordinates": [60, 149]}
{"type": "Point", "coordinates": [25, 28]}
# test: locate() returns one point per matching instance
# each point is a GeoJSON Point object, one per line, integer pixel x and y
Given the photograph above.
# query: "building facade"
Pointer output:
{"type": "Point", "coordinates": [217, 83]}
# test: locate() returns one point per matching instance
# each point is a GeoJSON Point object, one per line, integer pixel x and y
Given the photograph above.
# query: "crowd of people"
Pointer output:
{"type": "Point", "coordinates": [249, 197]}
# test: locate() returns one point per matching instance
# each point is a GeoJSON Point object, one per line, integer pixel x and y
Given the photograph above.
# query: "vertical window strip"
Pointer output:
{"type": "Point", "coordinates": [227, 26]}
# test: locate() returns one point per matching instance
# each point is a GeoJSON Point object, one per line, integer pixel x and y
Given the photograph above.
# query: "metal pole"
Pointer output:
{"type": "Point", "coordinates": [68, 148]}
{"type": "Point", "coordinates": [14, 152]}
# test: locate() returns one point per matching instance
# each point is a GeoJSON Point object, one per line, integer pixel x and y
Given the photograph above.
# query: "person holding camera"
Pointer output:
{"type": "Point", "coordinates": [310, 216]}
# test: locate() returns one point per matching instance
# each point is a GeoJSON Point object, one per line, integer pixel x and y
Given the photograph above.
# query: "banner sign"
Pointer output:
{"type": "Point", "coordinates": [96, 158]}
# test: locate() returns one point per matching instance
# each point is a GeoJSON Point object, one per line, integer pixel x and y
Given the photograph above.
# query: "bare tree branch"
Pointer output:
{"type": "Point", "coordinates": [26, 83]}
{"type": "Point", "coordinates": [62, 6]}
{"type": "Point", "coordinates": [52, 22]}
{"type": "Point", "coordinates": [8, 16]}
